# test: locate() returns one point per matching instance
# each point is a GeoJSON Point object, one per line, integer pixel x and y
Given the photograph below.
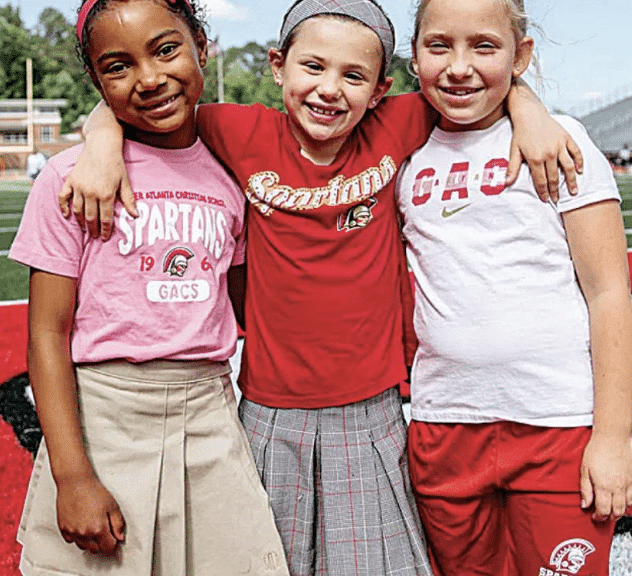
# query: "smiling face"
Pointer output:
{"type": "Point", "coordinates": [147, 65]}
{"type": "Point", "coordinates": [330, 77]}
{"type": "Point", "coordinates": [466, 55]}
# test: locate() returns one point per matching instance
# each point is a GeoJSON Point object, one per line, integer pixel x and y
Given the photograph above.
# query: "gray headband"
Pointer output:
{"type": "Point", "coordinates": [364, 11]}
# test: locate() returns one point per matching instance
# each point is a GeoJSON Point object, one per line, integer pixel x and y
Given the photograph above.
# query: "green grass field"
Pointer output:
{"type": "Point", "coordinates": [14, 278]}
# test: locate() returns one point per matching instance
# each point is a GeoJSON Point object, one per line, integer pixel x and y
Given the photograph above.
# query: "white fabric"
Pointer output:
{"type": "Point", "coordinates": [502, 323]}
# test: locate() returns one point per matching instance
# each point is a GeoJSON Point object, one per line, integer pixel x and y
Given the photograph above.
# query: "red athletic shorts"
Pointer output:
{"type": "Point", "coordinates": [503, 499]}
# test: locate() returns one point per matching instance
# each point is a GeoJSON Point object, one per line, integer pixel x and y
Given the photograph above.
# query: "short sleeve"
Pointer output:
{"type": "Point", "coordinates": [45, 239]}
{"type": "Point", "coordinates": [229, 130]}
{"type": "Point", "coordinates": [597, 182]}
{"type": "Point", "coordinates": [409, 117]}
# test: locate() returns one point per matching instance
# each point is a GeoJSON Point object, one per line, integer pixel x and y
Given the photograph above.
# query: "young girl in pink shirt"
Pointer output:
{"type": "Point", "coordinates": [145, 468]}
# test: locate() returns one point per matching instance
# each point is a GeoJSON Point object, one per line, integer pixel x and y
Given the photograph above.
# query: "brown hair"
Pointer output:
{"type": "Point", "coordinates": [187, 11]}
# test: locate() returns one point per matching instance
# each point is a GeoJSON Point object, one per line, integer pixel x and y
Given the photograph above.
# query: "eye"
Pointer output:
{"type": "Point", "coordinates": [115, 68]}
{"type": "Point", "coordinates": [436, 46]}
{"type": "Point", "coordinates": [354, 77]}
{"type": "Point", "coordinates": [166, 49]}
{"type": "Point", "coordinates": [485, 47]}
{"type": "Point", "coordinates": [312, 66]}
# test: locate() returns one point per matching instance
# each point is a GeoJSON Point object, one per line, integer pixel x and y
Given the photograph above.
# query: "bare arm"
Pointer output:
{"type": "Point", "coordinates": [86, 512]}
{"type": "Point", "coordinates": [598, 248]}
{"type": "Point", "coordinates": [542, 142]}
{"type": "Point", "coordinates": [237, 292]}
{"type": "Point", "coordinates": [98, 176]}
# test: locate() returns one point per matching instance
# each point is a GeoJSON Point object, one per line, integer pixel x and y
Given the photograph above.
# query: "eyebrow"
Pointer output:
{"type": "Point", "coordinates": [150, 44]}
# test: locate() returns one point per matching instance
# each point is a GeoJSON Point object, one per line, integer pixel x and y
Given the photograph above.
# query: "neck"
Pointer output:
{"type": "Point", "coordinates": [182, 138]}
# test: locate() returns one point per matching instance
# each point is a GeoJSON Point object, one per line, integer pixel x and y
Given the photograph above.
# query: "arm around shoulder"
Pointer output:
{"type": "Point", "coordinates": [98, 175]}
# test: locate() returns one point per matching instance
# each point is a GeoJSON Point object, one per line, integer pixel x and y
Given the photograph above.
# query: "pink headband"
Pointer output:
{"type": "Point", "coordinates": [85, 10]}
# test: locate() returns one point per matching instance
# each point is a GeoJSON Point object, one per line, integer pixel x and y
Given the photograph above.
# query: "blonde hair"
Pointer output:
{"type": "Point", "coordinates": [515, 9]}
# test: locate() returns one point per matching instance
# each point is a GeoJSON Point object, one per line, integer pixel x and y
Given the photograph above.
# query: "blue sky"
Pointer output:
{"type": "Point", "coordinates": [586, 55]}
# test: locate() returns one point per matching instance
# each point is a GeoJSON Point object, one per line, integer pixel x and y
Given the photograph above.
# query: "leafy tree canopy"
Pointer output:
{"type": "Point", "coordinates": [58, 72]}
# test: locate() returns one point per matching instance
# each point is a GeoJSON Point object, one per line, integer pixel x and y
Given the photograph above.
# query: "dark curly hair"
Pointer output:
{"type": "Point", "coordinates": [189, 12]}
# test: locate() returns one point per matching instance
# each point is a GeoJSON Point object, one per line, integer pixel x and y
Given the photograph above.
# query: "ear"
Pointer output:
{"type": "Point", "coordinates": [524, 51]}
{"type": "Point", "coordinates": [95, 81]}
{"type": "Point", "coordinates": [380, 91]}
{"type": "Point", "coordinates": [201, 45]}
{"type": "Point", "coordinates": [276, 60]}
{"type": "Point", "coordinates": [415, 64]}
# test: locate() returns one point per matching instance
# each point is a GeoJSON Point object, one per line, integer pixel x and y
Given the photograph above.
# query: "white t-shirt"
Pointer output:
{"type": "Point", "coordinates": [157, 288]}
{"type": "Point", "coordinates": [501, 321]}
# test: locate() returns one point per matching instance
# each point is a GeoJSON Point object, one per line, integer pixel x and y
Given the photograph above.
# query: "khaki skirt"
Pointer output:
{"type": "Point", "coordinates": [164, 438]}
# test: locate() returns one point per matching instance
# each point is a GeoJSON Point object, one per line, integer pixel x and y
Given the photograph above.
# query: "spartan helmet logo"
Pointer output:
{"type": "Point", "coordinates": [357, 217]}
{"type": "Point", "coordinates": [177, 261]}
{"type": "Point", "coordinates": [570, 556]}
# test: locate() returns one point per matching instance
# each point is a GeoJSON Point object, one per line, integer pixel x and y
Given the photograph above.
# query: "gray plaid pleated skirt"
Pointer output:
{"type": "Point", "coordinates": [339, 487]}
{"type": "Point", "coordinates": [165, 439]}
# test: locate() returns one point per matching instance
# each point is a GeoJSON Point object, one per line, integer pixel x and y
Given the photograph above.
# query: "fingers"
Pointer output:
{"type": "Point", "coordinates": [515, 161]}
{"type": "Point", "coordinates": [568, 168]}
{"type": "Point", "coordinates": [618, 504]}
{"type": "Point", "coordinates": [91, 215]}
{"type": "Point", "coordinates": [540, 182]}
{"type": "Point", "coordinates": [65, 194]}
{"type": "Point", "coordinates": [127, 196]}
{"type": "Point", "coordinates": [576, 154]}
{"type": "Point", "coordinates": [552, 180]}
{"type": "Point", "coordinates": [96, 541]}
{"type": "Point", "coordinates": [586, 488]}
{"type": "Point", "coordinates": [117, 525]}
{"type": "Point", "coordinates": [104, 217]}
{"type": "Point", "coordinates": [603, 505]}
{"type": "Point", "coordinates": [77, 209]}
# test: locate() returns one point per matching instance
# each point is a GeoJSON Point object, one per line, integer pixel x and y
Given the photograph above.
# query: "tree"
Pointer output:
{"type": "Point", "coordinates": [403, 78]}
{"type": "Point", "coordinates": [58, 71]}
{"type": "Point", "coordinates": [15, 48]}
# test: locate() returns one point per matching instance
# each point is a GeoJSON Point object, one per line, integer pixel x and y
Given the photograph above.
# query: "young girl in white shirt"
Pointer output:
{"type": "Point", "coordinates": [519, 448]}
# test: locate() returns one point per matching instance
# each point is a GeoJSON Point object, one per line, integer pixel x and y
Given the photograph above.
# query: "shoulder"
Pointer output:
{"type": "Point", "coordinates": [407, 118]}
{"type": "Point", "coordinates": [56, 170]}
{"type": "Point", "coordinates": [572, 126]}
{"type": "Point", "coordinates": [227, 114]}
{"type": "Point", "coordinates": [581, 137]}
{"type": "Point", "coordinates": [63, 161]}
{"type": "Point", "coordinates": [597, 181]}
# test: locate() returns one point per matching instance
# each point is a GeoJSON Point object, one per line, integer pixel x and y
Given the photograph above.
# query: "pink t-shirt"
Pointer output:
{"type": "Point", "coordinates": [157, 289]}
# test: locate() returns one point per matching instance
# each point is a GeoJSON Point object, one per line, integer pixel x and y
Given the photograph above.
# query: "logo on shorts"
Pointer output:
{"type": "Point", "coordinates": [570, 556]}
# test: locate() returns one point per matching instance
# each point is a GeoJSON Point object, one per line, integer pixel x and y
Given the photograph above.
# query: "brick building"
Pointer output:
{"type": "Point", "coordinates": [47, 137]}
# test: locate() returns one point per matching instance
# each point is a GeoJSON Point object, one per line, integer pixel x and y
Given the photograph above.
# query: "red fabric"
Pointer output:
{"type": "Point", "coordinates": [501, 495]}
{"type": "Point", "coordinates": [13, 335]}
{"type": "Point", "coordinates": [323, 310]}
{"type": "Point", "coordinates": [15, 461]}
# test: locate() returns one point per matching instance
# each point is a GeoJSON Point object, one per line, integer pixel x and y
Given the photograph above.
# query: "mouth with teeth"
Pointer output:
{"type": "Point", "coordinates": [460, 91]}
{"type": "Point", "coordinates": [332, 113]}
{"type": "Point", "coordinates": [159, 105]}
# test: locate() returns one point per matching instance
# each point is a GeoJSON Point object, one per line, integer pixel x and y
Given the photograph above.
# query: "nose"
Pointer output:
{"type": "Point", "coordinates": [149, 77]}
{"type": "Point", "coordinates": [460, 65]}
{"type": "Point", "coordinates": [329, 86]}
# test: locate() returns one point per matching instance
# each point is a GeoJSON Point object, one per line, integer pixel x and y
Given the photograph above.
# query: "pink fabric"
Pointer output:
{"type": "Point", "coordinates": [157, 289]}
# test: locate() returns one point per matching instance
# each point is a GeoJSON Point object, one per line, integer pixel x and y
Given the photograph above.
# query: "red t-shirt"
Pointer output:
{"type": "Point", "coordinates": [324, 253]}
